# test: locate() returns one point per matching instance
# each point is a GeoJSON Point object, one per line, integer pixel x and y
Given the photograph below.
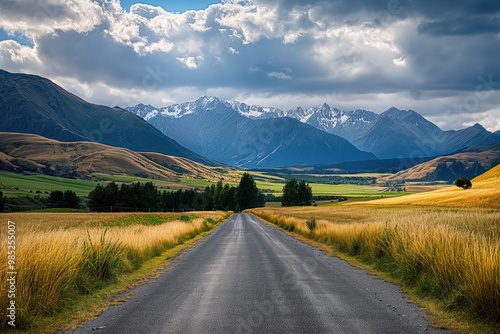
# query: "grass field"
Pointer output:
{"type": "Point", "coordinates": [182, 183]}
{"type": "Point", "coordinates": [63, 257]}
{"type": "Point", "coordinates": [485, 193]}
{"type": "Point", "coordinates": [31, 184]}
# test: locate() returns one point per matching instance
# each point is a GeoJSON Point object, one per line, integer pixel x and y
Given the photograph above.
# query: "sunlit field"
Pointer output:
{"type": "Point", "coordinates": [61, 256]}
{"type": "Point", "coordinates": [452, 255]}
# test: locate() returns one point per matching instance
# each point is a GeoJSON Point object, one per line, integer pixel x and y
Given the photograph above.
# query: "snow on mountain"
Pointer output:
{"type": "Point", "coordinates": [254, 111]}
{"type": "Point", "coordinates": [347, 124]}
{"type": "Point", "coordinates": [391, 134]}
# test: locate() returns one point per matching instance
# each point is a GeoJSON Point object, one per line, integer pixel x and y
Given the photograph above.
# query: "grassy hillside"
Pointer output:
{"type": "Point", "coordinates": [32, 104]}
{"type": "Point", "coordinates": [31, 153]}
{"type": "Point", "coordinates": [469, 163]}
{"type": "Point", "coordinates": [16, 185]}
{"type": "Point", "coordinates": [485, 193]}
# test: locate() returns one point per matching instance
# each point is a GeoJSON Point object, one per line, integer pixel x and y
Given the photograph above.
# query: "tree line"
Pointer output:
{"type": "Point", "coordinates": [147, 197]}
{"type": "Point", "coordinates": [56, 199]}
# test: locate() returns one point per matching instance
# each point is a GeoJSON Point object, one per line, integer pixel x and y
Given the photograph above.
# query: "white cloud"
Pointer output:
{"type": "Point", "coordinates": [279, 75]}
{"type": "Point", "coordinates": [19, 58]}
{"type": "Point", "coordinates": [39, 18]}
{"type": "Point", "coordinates": [232, 50]}
{"type": "Point", "coordinates": [338, 52]}
{"type": "Point", "coordinates": [190, 62]}
{"type": "Point", "coordinates": [160, 46]}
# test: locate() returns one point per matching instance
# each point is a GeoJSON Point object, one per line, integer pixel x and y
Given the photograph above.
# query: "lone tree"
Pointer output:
{"type": "Point", "coordinates": [463, 182]}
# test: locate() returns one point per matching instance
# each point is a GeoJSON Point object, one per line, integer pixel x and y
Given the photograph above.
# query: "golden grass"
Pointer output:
{"type": "Point", "coordinates": [57, 264]}
{"type": "Point", "coordinates": [485, 193]}
{"type": "Point", "coordinates": [452, 255]}
{"type": "Point", "coordinates": [53, 220]}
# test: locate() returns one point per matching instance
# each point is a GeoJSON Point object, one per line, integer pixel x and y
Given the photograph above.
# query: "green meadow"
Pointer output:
{"type": "Point", "coordinates": [18, 185]}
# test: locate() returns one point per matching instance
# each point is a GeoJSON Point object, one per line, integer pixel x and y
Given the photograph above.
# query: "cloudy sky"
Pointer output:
{"type": "Point", "coordinates": [440, 58]}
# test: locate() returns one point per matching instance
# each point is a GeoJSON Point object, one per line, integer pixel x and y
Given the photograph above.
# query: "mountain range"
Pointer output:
{"type": "Point", "coordinates": [394, 133]}
{"type": "Point", "coordinates": [213, 128]}
{"type": "Point", "coordinates": [36, 105]}
{"type": "Point", "coordinates": [209, 129]}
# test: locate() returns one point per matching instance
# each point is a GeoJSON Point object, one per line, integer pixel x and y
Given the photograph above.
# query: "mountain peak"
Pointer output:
{"type": "Point", "coordinates": [206, 101]}
{"type": "Point", "coordinates": [478, 126]}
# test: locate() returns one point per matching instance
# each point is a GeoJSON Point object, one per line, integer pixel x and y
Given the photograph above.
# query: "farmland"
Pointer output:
{"type": "Point", "coordinates": [17, 185]}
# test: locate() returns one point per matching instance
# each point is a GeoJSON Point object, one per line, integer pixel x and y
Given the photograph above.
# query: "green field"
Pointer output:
{"type": "Point", "coordinates": [17, 185]}
{"type": "Point", "coordinates": [321, 189]}
{"type": "Point", "coordinates": [182, 183]}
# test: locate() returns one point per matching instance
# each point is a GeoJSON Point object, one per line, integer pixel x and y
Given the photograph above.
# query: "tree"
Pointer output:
{"type": "Point", "coordinates": [226, 198]}
{"type": "Point", "coordinates": [305, 194]}
{"type": "Point", "coordinates": [102, 198]}
{"type": "Point", "coordinates": [463, 182]}
{"type": "Point", "coordinates": [66, 199]}
{"type": "Point", "coordinates": [247, 194]}
{"type": "Point", "coordinates": [296, 193]}
{"type": "Point", "coordinates": [290, 193]}
{"type": "Point", "coordinates": [56, 199]}
{"type": "Point", "coordinates": [71, 200]}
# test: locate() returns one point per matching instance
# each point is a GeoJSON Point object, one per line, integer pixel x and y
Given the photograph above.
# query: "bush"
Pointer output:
{"type": "Point", "coordinates": [102, 257]}
{"type": "Point", "coordinates": [311, 224]}
{"type": "Point", "coordinates": [463, 182]}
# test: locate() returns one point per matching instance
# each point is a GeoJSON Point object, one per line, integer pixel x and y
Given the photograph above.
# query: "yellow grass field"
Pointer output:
{"type": "Point", "coordinates": [485, 193]}
{"type": "Point", "coordinates": [62, 255]}
{"type": "Point", "coordinates": [444, 244]}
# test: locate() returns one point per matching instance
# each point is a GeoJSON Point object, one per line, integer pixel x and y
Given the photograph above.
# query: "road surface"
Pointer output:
{"type": "Point", "coordinates": [249, 277]}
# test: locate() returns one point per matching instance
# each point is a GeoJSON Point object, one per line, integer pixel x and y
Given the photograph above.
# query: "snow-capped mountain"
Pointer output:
{"type": "Point", "coordinates": [346, 124]}
{"type": "Point", "coordinates": [177, 110]}
{"type": "Point", "coordinates": [394, 133]}
{"type": "Point", "coordinates": [224, 131]}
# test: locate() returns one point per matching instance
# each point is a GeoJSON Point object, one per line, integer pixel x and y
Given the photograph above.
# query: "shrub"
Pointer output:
{"type": "Point", "coordinates": [311, 224]}
{"type": "Point", "coordinates": [463, 182]}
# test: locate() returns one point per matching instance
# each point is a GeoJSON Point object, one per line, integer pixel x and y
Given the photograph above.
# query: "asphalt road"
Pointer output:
{"type": "Point", "coordinates": [248, 277]}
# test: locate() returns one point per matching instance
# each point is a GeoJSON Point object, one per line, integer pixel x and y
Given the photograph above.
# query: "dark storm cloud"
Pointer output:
{"type": "Point", "coordinates": [461, 26]}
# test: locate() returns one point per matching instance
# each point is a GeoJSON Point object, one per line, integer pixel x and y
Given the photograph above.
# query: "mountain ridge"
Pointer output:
{"type": "Point", "coordinates": [33, 104]}
{"type": "Point", "coordinates": [392, 134]}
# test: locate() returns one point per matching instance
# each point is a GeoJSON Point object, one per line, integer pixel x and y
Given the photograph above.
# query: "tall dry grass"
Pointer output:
{"type": "Point", "coordinates": [451, 255]}
{"type": "Point", "coordinates": [57, 265]}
